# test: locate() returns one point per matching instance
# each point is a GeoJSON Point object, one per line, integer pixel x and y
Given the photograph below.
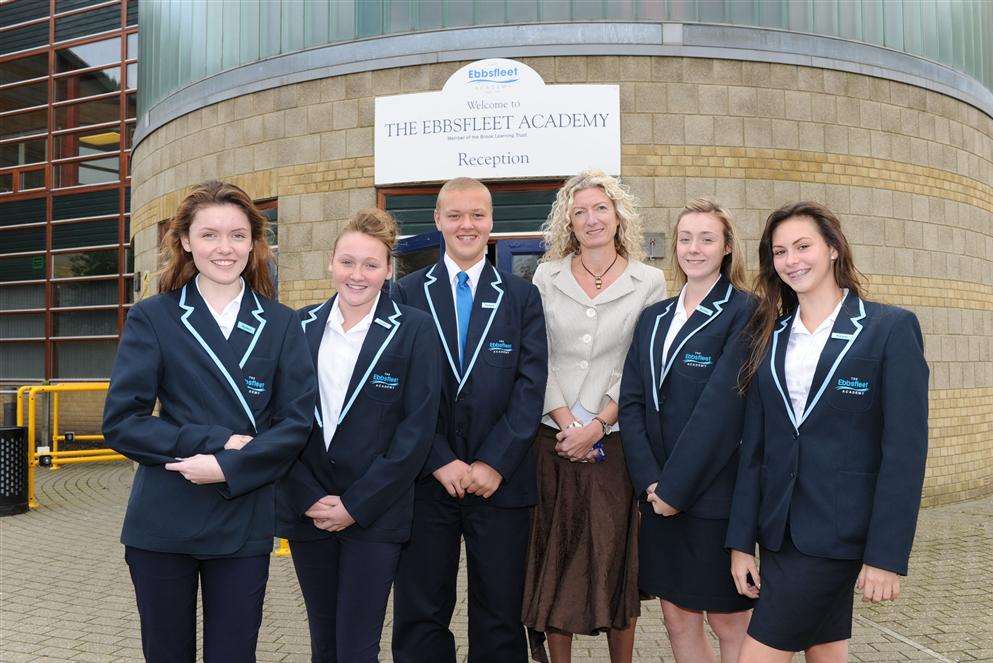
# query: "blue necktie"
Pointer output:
{"type": "Point", "coordinates": [463, 308]}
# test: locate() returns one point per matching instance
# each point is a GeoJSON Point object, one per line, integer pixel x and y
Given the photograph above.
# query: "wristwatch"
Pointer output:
{"type": "Point", "coordinates": [606, 427]}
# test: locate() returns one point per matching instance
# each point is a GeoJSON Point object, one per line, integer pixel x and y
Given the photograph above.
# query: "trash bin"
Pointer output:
{"type": "Point", "coordinates": [13, 470]}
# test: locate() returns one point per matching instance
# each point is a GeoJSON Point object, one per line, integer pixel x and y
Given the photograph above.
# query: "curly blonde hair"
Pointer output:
{"type": "Point", "coordinates": [560, 241]}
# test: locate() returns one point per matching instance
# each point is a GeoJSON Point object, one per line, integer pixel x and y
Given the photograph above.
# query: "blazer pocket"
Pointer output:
{"type": "Point", "coordinates": [854, 495]}
{"type": "Point", "coordinates": [696, 363]}
{"type": "Point", "coordinates": [257, 376]}
{"type": "Point", "coordinates": [499, 349]}
{"type": "Point", "coordinates": [854, 385]}
{"type": "Point", "coordinates": [387, 380]}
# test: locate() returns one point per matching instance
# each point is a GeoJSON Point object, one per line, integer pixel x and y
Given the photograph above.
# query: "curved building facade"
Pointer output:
{"type": "Point", "coordinates": [884, 114]}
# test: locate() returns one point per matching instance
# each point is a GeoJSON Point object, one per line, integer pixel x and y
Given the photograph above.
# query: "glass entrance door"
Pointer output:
{"type": "Point", "coordinates": [518, 255]}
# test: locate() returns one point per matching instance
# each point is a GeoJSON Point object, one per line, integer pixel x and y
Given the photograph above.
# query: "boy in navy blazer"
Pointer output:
{"type": "Point", "coordinates": [479, 482]}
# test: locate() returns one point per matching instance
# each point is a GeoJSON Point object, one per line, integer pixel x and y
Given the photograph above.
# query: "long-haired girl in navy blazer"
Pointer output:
{"type": "Point", "coordinates": [347, 504]}
{"type": "Point", "coordinates": [681, 414]}
{"type": "Point", "coordinates": [229, 369]}
{"type": "Point", "coordinates": [834, 444]}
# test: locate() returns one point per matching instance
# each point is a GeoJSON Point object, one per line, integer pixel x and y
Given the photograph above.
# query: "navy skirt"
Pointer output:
{"type": "Point", "coordinates": [804, 600]}
{"type": "Point", "coordinates": [683, 560]}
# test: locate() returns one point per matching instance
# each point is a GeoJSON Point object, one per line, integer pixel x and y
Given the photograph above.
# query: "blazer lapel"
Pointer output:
{"type": "Point", "coordinates": [314, 323]}
{"type": "Point", "coordinates": [248, 328]}
{"type": "Point", "coordinates": [384, 327]}
{"type": "Point", "coordinates": [659, 330]}
{"type": "Point", "coordinates": [845, 330]}
{"type": "Point", "coordinates": [485, 304]}
{"type": "Point", "coordinates": [706, 312]}
{"type": "Point", "coordinates": [438, 293]}
{"type": "Point", "coordinates": [200, 323]}
{"type": "Point", "coordinates": [777, 364]}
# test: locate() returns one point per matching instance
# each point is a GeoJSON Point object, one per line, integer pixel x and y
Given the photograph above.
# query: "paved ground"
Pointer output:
{"type": "Point", "coordinates": [65, 594]}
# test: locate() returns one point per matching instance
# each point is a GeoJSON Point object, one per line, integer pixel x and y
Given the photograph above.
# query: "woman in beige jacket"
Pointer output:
{"type": "Point", "coordinates": [582, 564]}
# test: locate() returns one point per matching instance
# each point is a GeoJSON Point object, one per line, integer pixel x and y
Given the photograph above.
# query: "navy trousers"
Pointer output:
{"type": "Point", "coordinates": [345, 585]}
{"type": "Point", "coordinates": [165, 585]}
{"type": "Point", "coordinates": [496, 541]}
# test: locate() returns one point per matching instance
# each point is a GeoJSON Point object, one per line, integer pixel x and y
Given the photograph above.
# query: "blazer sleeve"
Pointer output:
{"type": "Point", "coordinates": [897, 499]}
{"type": "Point", "coordinates": [271, 453]}
{"type": "Point", "coordinates": [742, 531]}
{"type": "Point", "coordinates": [554, 398]}
{"type": "Point", "coordinates": [655, 294]}
{"type": "Point", "coordinates": [713, 431]}
{"type": "Point", "coordinates": [642, 464]}
{"type": "Point", "coordinates": [510, 438]}
{"type": "Point", "coordinates": [393, 472]}
{"type": "Point", "coordinates": [301, 488]}
{"type": "Point", "coordinates": [128, 424]}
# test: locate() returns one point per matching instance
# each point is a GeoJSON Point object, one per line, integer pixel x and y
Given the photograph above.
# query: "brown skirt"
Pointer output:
{"type": "Point", "coordinates": [582, 573]}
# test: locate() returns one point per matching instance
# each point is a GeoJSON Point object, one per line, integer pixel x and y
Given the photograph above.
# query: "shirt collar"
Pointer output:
{"type": "Point", "coordinates": [474, 272]}
{"type": "Point", "coordinates": [682, 297]}
{"type": "Point", "coordinates": [800, 328]}
{"type": "Point", "coordinates": [337, 321]}
{"type": "Point", "coordinates": [234, 303]}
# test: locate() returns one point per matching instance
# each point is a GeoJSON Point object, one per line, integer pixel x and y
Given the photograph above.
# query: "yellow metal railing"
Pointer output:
{"type": "Point", "coordinates": [53, 456]}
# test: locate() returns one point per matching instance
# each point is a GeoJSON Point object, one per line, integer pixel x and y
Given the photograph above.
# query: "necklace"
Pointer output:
{"type": "Point", "coordinates": [598, 280]}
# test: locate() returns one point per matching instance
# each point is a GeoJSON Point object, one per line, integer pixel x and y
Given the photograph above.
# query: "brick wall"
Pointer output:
{"type": "Point", "coordinates": [909, 171]}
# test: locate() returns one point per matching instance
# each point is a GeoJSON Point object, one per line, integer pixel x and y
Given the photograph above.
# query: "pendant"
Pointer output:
{"type": "Point", "coordinates": [598, 282]}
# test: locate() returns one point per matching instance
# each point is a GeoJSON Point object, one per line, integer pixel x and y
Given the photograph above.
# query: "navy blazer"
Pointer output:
{"type": "Point", "coordinates": [847, 476]}
{"type": "Point", "coordinates": [491, 411]}
{"type": "Point", "coordinates": [384, 431]}
{"type": "Point", "coordinates": [258, 382]}
{"type": "Point", "coordinates": [681, 419]}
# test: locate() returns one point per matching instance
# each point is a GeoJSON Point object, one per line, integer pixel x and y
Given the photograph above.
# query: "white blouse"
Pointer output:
{"type": "Point", "coordinates": [336, 360]}
{"type": "Point", "coordinates": [679, 318]}
{"type": "Point", "coordinates": [802, 354]}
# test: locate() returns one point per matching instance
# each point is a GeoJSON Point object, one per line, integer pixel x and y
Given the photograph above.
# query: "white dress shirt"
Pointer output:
{"type": "Point", "coordinates": [679, 318]}
{"type": "Point", "coordinates": [336, 360]}
{"type": "Point", "coordinates": [802, 354]}
{"type": "Point", "coordinates": [474, 273]}
{"type": "Point", "coordinates": [227, 318]}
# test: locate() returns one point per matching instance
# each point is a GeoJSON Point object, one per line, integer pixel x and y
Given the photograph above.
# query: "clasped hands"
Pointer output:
{"type": "Point", "coordinates": [204, 469]}
{"type": "Point", "coordinates": [575, 443]}
{"type": "Point", "coordinates": [460, 478]}
{"type": "Point", "coordinates": [329, 514]}
{"type": "Point", "coordinates": [659, 506]}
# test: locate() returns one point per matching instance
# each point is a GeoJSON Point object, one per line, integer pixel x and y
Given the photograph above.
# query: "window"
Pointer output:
{"type": "Point", "coordinates": [23, 96]}
{"type": "Point", "coordinates": [24, 124]}
{"type": "Point", "coordinates": [85, 143]}
{"type": "Point", "coordinates": [18, 154]}
{"type": "Point", "coordinates": [92, 171]}
{"type": "Point", "coordinates": [84, 56]}
{"type": "Point", "coordinates": [98, 111]}
{"type": "Point", "coordinates": [22, 69]}
{"type": "Point", "coordinates": [88, 84]}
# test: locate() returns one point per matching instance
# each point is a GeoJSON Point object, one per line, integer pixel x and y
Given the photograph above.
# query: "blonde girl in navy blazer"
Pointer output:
{"type": "Point", "coordinates": [346, 505]}
{"type": "Point", "coordinates": [229, 370]}
{"type": "Point", "coordinates": [682, 414]}
{"type": "Point", "coordinates": [834, 444]}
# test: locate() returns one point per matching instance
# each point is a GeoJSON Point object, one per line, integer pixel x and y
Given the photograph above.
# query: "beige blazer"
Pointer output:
{"type": "Point", "coordinates": [588, 339]}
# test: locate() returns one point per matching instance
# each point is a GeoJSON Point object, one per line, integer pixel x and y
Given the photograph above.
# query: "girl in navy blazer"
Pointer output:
{"type": "Point", "coordinates": [681, 414]}
{"type": "Point", "coordinates": [346, 505]}
{"type": "Point", "coordinates": [228, 367]}
{"type": "Point", "coordinates": [834, 445]}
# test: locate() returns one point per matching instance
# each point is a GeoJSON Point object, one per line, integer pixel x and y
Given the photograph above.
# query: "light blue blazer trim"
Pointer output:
{"type": "Point", "coordinates": [850, 338]}
{"type": "Point", "coordinates": [313, 315]}
{"type": "Point", "coordinates": [257, 313]}
{"type": "Point", "coordinates": [210, 353]}
{"type": "Point", "coordinates": [651, 353]}
{"type": "Point", "coordinates": [393, 325]}
{"type": "Point", "coordinates": [674, 352]}
{"type": "Point", "coordinates": [493, 307]}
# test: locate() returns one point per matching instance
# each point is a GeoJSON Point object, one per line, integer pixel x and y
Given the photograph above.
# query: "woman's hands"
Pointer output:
{"type": "Point", "coordinates": [878, 584]}
{"type": "Point", "coordinates": [329, 514]}
{"type": "Point", "coordinates": [200, 469]}
{"type": "Point", "coordinates": [742, 566]}
{"type": "Point", "coordinates": [575, 443]}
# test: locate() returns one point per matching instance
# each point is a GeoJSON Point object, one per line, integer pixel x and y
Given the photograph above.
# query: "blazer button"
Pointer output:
{"type": "Point", "coordinates": [584, 364]}
{"type": "Point", "coordinates": [793, 475]}
{"type": "Point", "coordinates": [591, 313]}
{"type": "Point", "coordinates": [796, 435]}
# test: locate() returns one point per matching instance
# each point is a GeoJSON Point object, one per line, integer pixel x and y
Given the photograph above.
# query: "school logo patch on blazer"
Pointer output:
{"type": "Point", "coordinates": [384, 381]}
{"type": "Point", "coordinates": [852, 386]}
{"type": "Point", "coordinates": [501, 347]}
{"type": "Point", "coordinates": [697, 360]}
{"type": "Point", "coordinates": [254, 385]}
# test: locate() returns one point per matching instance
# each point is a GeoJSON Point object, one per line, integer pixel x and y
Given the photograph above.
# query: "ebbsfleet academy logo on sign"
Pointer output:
{"type": "Point", "coordinates": [497, 118]}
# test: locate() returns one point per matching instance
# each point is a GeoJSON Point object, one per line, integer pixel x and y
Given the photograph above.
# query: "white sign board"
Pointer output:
{"type": "Point", "coordinates": [493, 119]}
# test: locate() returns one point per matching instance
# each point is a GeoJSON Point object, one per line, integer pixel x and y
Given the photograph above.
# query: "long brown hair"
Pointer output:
{"type": "Point", "coordinates": [775, 297]}
{"type": "Point", "coordinates": [733, 264]}
{"type": "Point", "coordinates": [179, 267]}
